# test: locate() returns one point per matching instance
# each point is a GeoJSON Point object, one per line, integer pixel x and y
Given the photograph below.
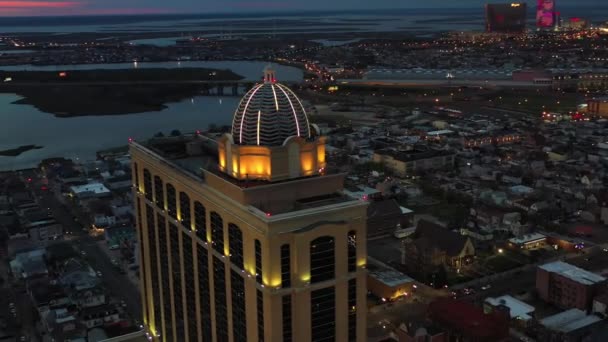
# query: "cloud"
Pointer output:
{"type": "Point", "coordinates": [14, 4]}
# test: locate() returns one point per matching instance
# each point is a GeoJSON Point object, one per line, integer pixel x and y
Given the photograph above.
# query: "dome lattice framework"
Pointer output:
{"type": "Point", "coordinates": [269, 114]}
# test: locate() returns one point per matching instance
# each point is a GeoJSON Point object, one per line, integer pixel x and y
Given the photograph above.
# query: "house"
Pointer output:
{"type": "Point", "coordinates": [46, 296]}
{"type": "Point", "coordinates": [386, 216]}
{"type": "Point", "coordinates": [82, 284]}
{"type": "Point", "coordinates": [29, 264]}
{"type": "Point", "coordinates": [432, 245]}
{"type": "Point", "coordinates": [60, 321]}
{"type": "Point", "coordinates": [99, 316]}
{"type": "Point", "coordinates": [419, 332]}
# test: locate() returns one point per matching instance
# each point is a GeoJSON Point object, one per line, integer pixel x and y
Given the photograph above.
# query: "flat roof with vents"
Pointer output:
{"type": "Point", "coordinates": [572, 272]}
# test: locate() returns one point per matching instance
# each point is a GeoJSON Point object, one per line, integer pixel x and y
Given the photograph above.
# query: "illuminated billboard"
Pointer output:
{"type": "Point", "coordinates": [506, 18]}
{"type": "Point", "coordinates": [545, 13]}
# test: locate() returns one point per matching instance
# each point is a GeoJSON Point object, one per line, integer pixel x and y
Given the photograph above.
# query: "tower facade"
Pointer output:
{"type": "Point", "coordinates": [247, 238]}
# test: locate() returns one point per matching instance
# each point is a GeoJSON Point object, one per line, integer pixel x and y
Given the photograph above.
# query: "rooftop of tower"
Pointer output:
{"type": "Point", "coordinates": [195, 156]}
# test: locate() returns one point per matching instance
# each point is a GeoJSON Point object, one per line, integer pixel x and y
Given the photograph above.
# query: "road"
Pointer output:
{"type": "Point", "coordinates": [117, 284]}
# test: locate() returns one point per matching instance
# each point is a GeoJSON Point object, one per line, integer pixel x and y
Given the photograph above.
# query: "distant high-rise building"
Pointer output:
{"type": "Point", "coordinates": [546, 16]}
{"type": "Point", "coordinates": [506, 18]}
{"type": "Point", "coordinates": [247, 238]}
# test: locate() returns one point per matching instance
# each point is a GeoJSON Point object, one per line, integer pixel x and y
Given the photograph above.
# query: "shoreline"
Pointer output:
{"type": "Point", "coordinates": [15, 152]}
{"type": "Point", "coordinates": [109, 92]}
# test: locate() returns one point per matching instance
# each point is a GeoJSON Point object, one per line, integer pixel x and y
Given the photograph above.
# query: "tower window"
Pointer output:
{"type": "Point", "coordinates": [235, 244]}
{"type": "Point", "coordinates": [148, 185]}
{"type": "Point", "coordinates": [285, 266]}
{"type": "Point", "coordinates": [258, 261]}
{"type": "Point", "coordinates": [171, 201]}
{"type": "Point", "coordinates": [217, 232]}
{"type": "Point", "coordinates": [323, 314]}
{"type": "Point", "coordinates": [352, 251]}
{"type": "Point", "coordinates": [322, 259]}
{"type": "Point", "coordinates": [159, 192]}
{"type": "Point", "coordinates": [184, 209]}
{"type": "Point", "coordinates": [200, 221]}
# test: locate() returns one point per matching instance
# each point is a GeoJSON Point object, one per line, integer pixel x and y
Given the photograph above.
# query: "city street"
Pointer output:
{"type": "Point", "coordinates": [118, 284]}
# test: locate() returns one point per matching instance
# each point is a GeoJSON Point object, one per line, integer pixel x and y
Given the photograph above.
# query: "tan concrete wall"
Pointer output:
{"type": "Point", "coordinates": [224, 198]}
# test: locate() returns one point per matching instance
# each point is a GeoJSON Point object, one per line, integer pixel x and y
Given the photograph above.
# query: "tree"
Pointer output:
{"type": "Point", "coordinates": [159, 135]}
{"type": "Point", "coordinates": [176, 133]}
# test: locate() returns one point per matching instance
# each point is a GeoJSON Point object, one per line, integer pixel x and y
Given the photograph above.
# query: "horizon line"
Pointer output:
{"type": "Point", "coordinates": [170, 12]}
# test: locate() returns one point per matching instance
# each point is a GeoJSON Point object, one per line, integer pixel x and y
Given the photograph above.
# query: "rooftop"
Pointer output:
{"type": "Point", "coordinates": [96, 188]}
{"type": "Point", "coordinates": [414, 154]}
{"type": "Point", "coordinates": [569, 320]}
{"type": "Point", "coordinates": [469, 319]}
{"type": "Point", "coordinates": [390, 277]}
{"type": "Point", "coordinates": [527, 238]}
{"type": "Point", "coordinates": [570, 271]}
{"type": "Point", "coordinates": [517, 308]}
{"type": "Point", "coordinates": [196, 156]}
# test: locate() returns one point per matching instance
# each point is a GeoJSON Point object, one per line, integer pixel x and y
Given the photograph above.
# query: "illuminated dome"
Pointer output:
{"type": "Point", "coordinates": [269, 114]}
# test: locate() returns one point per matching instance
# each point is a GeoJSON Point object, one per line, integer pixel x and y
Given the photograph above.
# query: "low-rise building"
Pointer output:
{"type": "Point", "coordinates": [432, 246]}
{"type": "Point", "coordinates": [529, 241]}
{"type": "Point", "coordinates": [385, 217]}
{"type": "Point", "coordinates": [463, 321]}
{"type": "Point", "coordinates": [518, 310]}
{"type": "Point", "coordinates": [99, 316]}
{"type": "Point", "coordinates": [91, 190]}
{"type": "Point", "coordinates": [405, 162]}
{"type": "Point", "coordinates": [388, 283]}
{"type": "Point", "coordinates": [569, 326]}
{"type": "Point", "coordinates": [568, 286]}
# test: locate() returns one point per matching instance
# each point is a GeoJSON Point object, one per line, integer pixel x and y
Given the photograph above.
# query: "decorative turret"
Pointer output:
{"type": "Point", "coordinates": [271, 137]}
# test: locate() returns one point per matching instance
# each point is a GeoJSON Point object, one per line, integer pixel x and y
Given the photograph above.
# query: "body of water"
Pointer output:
{"type": "Point", "coordinates": [81, 137]}
{"type": "Point", "coordinates": [250, 70]}
{"type": "Point", "coordinates": [403, 19]}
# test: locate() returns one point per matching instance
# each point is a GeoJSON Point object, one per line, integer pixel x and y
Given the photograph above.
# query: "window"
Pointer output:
{"type": "Point", "coordinates": [178, 307]}
{"type": "Point", "coordinates": [287, 328]}
{"type": "Point", "coordinates": [221, 311]}
{"type": "Point", "coordinates": [163, 257]}
{"type": "Point", "coordinates": [204, 292]}
{"type": "Point", "coordinates": [322, 259]}
{"type": "Point", "coordinates": [171, 201]}
{"type": "Point", "coordinates": [135, 176]}
{"type": "Point", "coordinates": [352, 251]}
{"type": "Point", "coordinates": [235, 244]}
{"type": "Point", "coordinates": [258, 261]}
{"type": "Point", "coordinates": [184, 209]}
{"type": "Point", "coordinates": [142, 252]}
{"type": "Point", "coordinates": [159, 193]}
{"type": "Point", "coordinates": [352, 310]}
{"type": "Point", "coordinates": [260, 306]}
{"type": "Point", "coordinates": [217, 232]}
{"type": "Point", "coordinates": [154, 274]}
{"type": "Point", "coordinates": [147, 185]}
{"type": "Point", "coordinates": [285, 266]}
{"type": "Point", "coordinates": [239, 317]}
{"type": "Point", "coordinates": [200, 221]}
{"type": "Point", "coordinates": [189, 285]}
{"type": "Point", "coordinates": [323, 314]}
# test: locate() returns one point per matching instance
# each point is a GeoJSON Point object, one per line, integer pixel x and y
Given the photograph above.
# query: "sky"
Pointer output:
{"type": "Point", "coordinates": [109, 7]}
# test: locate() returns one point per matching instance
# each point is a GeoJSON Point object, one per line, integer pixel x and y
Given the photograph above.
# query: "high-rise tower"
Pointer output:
{"type": "Point", "coordinates": [247, 238]}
